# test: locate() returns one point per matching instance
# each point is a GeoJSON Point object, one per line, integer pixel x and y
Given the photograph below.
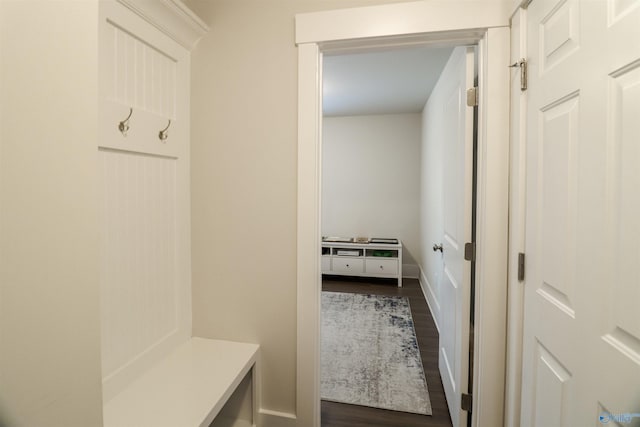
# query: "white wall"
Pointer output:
{"type": "Point", "coordinates": [244, 181]}
{"type": "Point", "coordinates": [371, 178]}
{"type": "Point", "coordinates": [431, 214]}
{"type": "Point", "coordinates": [49, 307]}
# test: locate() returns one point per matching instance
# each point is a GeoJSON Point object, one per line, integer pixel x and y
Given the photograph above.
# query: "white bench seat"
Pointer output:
{"type": "Point", "coordinates": [188, 388]}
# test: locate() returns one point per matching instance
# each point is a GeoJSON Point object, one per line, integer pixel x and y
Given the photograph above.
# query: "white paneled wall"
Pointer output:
{"type": "Point", "coordinates": [145, 278]}
{"type": "Point", "coordinates": [139, 284]}
{"type": "Point", "coordinates": [143, 76]}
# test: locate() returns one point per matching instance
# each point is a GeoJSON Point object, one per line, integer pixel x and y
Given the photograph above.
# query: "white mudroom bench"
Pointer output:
{"type": "Point", "coordinates": [154, 373]}
{"type": "Point", "coordinates": [188, 388]}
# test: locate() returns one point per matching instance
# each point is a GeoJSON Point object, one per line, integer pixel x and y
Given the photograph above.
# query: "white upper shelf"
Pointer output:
{"type": "Point", "coordinates": [172, 17]}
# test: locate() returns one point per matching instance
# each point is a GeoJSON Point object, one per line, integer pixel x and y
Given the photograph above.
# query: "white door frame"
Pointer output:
{"type": "Point", "coordinates": [485, 23]}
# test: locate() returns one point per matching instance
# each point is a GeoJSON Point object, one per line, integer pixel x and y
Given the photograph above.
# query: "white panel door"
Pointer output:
{"type": "Point", "coordinates": [456, 78]}
{"type": "Point", "coordinates": [581, 344]}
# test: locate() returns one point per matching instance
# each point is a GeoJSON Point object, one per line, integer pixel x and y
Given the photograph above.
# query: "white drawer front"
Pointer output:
{"type": "Point", "coordinates": [326, 263]}
{"type": "Point", "coordinates": [347, 265]}
{"type": "Point", "coordinates": [382, 266]}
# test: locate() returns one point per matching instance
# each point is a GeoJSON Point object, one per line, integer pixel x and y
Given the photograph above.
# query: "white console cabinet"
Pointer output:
{"type": "Point", "coordinates": [363, 259]}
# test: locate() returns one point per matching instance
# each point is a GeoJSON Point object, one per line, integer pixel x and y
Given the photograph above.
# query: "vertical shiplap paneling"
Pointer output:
{"type": "Point", "coordinates": [172, 87]}
{"type": "Point", "coordinates": [147, 78]}
{"type": "Point", "coordinates": [130, 67]}
{"type": "Point", "coordinates": [145, 280]}
{"type": "Point", "coordinates": [139, 283]}
{"type": "Point", "coordinates": [144, 77]}
{"type": "Point", "coordinates": [157, 83]}
{"type": "Point", "coordinates": [119, 67]}
{"type": "Point", "coordinates": [139, 73]}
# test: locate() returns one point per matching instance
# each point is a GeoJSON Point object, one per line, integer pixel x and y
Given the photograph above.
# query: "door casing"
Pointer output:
{"type": "Point", "coordinates": [400, 25]}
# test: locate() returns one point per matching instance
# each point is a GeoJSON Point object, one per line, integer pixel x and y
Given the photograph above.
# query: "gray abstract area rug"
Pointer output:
{"type": "Point", "coordinates": [370, 353]}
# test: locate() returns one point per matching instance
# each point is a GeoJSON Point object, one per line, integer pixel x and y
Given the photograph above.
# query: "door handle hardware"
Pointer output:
{"type": "Point", "coordinates": [437, 247]}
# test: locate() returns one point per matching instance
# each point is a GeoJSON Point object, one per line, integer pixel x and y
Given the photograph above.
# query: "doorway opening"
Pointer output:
{"type": "Point", "coordinates": [384, 154]}
{"type": "Point", "coordinates": [363, 28]}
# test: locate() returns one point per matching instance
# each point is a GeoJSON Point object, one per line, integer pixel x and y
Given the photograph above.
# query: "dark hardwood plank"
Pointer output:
{"type": "Point", "coordinates": [343, 415]}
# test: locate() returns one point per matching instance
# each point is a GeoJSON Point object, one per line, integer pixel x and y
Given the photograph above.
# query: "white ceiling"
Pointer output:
{"type": "Point", "coordinates": [389, 82]}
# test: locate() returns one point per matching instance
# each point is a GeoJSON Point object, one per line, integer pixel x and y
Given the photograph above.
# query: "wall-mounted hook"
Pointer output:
{"type": "Point", "coordinates": [164, 133]}
{"type": "Point", "coordinates": [123, 127]}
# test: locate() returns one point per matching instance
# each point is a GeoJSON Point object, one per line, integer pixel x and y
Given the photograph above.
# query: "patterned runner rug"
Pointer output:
{"type": "Point", "coordinates": [370, 353]}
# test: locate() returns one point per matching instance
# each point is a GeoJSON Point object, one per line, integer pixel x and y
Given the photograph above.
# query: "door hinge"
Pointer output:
{"type": "Point", "coordinates": [521, 266]}
{"type": "Point", "coordinates": [470, 251]}
{"type": "Point", "coordinates": [466, 402]}
{"type": "Point", "coordinates": [472, 97]}
{"type": "Point", "coordinates": [522, 64]}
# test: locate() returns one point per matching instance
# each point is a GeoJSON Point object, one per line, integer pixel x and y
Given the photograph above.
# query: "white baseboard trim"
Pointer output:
{"type": "Point", "coordinates": [430, 296]}
{"type": "Point", "coordinates": [270, 418]}
{"type": "Point", "coordinates": [410, 271]}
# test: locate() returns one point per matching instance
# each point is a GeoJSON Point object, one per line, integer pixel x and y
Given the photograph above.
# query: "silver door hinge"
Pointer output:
{"type": "Point", "coordinates": [522, 64]}
{"type": "Point", "coordinates": [521, 266]}
{"type": "Point", "coordinates": [472, 97]}
{"type": "Point", "coordinates": [470, 251]}
{"type": "Point", "coordinates": [466, 402]}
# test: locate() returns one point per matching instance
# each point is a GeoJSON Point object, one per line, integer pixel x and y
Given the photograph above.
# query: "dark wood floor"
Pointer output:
{"type": "Point", "coordinates": [343, 415]}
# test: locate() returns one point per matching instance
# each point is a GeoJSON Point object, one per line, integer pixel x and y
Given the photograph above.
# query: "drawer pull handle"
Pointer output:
{"type": "Point", "coordinates": [381, 268]}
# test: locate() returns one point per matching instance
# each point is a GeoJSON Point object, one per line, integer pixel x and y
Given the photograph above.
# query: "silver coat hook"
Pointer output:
{"type": "Point", "coordinates": [164, 133]}
{"type": "Point", "coordinates": [124, 125]}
